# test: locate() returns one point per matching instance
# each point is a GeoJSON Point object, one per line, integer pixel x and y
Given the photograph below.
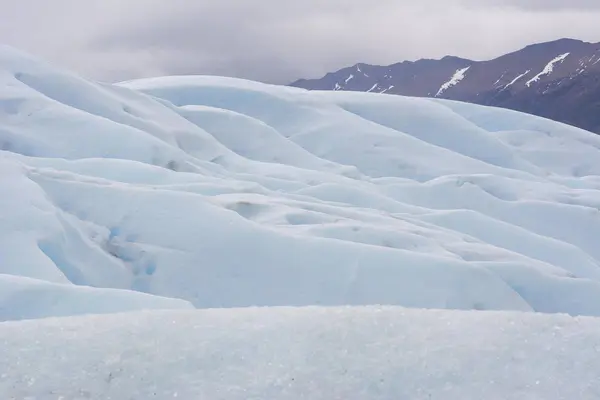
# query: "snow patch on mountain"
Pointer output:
{"type": "Point", "coordinates": [548, 68]}
{"type": "Point", "coordinates": [499, 79]}
{"type": "Point", "coordinates": [458, 76]}
{"type": "Point", "coordinates": [387, 89]}
{"type": "Point", "coordinates": [373, 87]}
{"type": "Point", "coordinates": [515, 80]}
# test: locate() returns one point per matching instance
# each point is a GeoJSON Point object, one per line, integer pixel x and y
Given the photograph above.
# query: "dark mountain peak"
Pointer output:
{"type": "Point", "coordinates": [443, 60]}
{"type": "Point", "coordinates": [546, 49]}
{"type": "Point", "coordinates": [557, 43]}
{"type": "Point", "coordinates": [455, 59]}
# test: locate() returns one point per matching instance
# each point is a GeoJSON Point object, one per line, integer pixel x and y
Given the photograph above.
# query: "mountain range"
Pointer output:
{"type": "Point", "coordinates": [559, 80]}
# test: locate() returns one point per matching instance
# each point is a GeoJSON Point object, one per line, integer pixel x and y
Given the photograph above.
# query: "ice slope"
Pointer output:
{"type": "Point", "coordinates": [229, 193]}
{"type": "Point", "coordinates": [26, 298]}
{"type": "Point", "coordinates": [307, 353]}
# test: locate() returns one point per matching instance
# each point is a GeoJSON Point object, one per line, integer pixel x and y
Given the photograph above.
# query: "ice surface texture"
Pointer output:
{"type": "Point", "coordinates": [172, 193]}
{"type": "Point", "coordinates": [222, 192]}
{"type": "Point", "coordinates": [358, 353]}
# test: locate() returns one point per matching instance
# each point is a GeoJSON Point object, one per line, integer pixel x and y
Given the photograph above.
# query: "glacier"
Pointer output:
{"type": "Point", "coordinates": [222, 192]}
{"type": "Point", "coordinates": [166, 204]}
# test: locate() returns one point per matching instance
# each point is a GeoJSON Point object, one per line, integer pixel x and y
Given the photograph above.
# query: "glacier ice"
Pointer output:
{"type": "Point", "coordinates": [372, 353]}
{"type": "Point", "coordinates": [223, 192]}
{"type": "Point", "coordinates": [367, 228]}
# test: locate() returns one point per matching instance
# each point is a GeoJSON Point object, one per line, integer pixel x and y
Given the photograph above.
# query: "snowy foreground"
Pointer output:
{"type": "Point", "coordinates": [305, 353]}
{"type": "Point", "coordinates": [201, 192]}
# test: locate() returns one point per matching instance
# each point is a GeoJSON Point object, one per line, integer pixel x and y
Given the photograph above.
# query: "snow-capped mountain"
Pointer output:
{"type": "Point", "coordinates": [453, 245]}
{"type": "Point", "coordinates": [559, 80]}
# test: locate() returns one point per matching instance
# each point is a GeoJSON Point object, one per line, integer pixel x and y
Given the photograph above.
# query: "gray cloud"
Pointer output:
{"type": "Point", "coordinates": [279, 40]}
{"type": "Point", "coordinates": [539, 5]}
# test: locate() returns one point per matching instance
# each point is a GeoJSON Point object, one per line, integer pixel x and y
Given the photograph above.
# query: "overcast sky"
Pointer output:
{"type": "Point", "coordinates": [279, 40]}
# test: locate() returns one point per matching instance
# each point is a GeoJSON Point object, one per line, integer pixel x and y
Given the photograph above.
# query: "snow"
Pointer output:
{"type": "Point", "coordinates": [359, 70]}
{"type": "Point", "coordinates": [458, 76]}
{"type": "Point", "coordinates": [307, 353]}
{"type": "Point", "coordinates": [577, 73]}
{"type": "Point", "coordinates": [516, 79]}
{"type": "Point", "coordinates": [341, 87]}
{"type": "Point", "coordinates": [387, 89]}
{"type": "Point", "coordinates": [548, 68]}
{"type": "Point", "coordinates": [586, 62]}
{"type": "Point", "coordinates": [335, 244]}
{"type": "Point", "coordinates": [223, 193]}
{"type": "Point", "coordinates": [372, 88]}
{"type": "Point", "coordinates": [26, 298]}
{"type": "Point", "coordinates": [499, 79]}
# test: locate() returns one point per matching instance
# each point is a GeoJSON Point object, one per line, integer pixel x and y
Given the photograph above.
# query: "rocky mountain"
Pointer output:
{"type": "Point", "coordinates": [559, 80]}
